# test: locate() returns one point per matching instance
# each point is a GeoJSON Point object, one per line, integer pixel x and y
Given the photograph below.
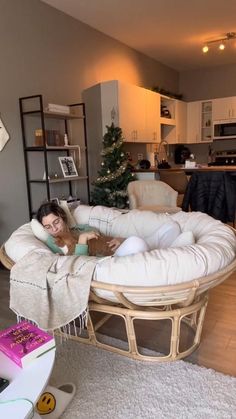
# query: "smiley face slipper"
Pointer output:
{"type": "Point", "coordinates": [54, 400]}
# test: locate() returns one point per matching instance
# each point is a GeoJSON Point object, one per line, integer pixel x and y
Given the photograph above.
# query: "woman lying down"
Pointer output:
{"type": "Point", "coordinates": [84, 240]}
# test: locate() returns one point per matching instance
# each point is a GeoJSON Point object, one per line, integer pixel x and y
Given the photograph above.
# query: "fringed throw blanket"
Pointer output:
{"type": "Point", "coordinates": [51, 290]}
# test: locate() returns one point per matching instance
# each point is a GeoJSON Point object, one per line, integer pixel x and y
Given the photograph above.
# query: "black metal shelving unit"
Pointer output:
{"type": "Point", "coordinates": [32, 106]}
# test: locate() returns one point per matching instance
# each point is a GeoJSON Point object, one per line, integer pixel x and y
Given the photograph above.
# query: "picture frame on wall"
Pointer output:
{"type": "Point", "coordinates": [68, 166]}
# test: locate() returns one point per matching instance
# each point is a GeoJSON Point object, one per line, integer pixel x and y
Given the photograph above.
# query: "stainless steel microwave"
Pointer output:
{"type": "Point", "coordinates": [224, 129]}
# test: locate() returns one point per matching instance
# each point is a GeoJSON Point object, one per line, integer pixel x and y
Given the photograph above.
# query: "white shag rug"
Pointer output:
{"type": "Point", "coordinates": [111, 386]}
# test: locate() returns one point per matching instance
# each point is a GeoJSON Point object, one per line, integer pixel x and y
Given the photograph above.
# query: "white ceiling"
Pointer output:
{"type": "Point", "coordinates": [170, 31]}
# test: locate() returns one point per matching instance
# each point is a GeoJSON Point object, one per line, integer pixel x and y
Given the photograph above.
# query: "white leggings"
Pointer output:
{"type": "Point", "coordinates": [163, 237]}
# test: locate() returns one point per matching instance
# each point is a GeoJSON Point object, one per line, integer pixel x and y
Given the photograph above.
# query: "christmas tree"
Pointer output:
{"type": "Point", "coordinates": [110, 188]}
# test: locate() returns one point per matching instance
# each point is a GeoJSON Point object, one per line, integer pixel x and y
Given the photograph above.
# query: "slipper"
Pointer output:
{"type": "Point", "coordinates": [54, 400]}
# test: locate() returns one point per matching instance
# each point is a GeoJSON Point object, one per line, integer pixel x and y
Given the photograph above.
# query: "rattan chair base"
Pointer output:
{"type": "Point", "coordinates": [192, 316]}
{"type": "Point", "coordinates": [185, 302]}
{"type": "Point", "coordinates": [179, 303]}
{"type": "Point", "coordinates": [4, 259]}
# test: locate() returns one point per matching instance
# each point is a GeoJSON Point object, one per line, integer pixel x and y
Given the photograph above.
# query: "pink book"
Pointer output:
{"type": "Point", "coordinates": [23, 342]}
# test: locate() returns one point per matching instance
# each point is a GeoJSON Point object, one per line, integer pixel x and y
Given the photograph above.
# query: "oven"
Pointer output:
{"type": "Point", "coordinates": [224, 158]}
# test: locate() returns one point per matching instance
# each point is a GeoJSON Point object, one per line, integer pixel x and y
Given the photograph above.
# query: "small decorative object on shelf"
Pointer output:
{"type": "Point", "coordinates": [68, 166]}
{"type": "Point", "coordinates": [52, 107]}
{"type": "Point", "coordinates": [165, 112]}
{"type": "Point", "coordinates": [66, 141]}
{"type": "Point", "coordinates": [23, 342]}
{"type": "Point", "coordinates": [53, 138]}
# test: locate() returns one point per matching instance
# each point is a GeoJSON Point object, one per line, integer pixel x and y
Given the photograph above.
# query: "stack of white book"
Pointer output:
{"type": "Point", "coordinates": [58, 108]}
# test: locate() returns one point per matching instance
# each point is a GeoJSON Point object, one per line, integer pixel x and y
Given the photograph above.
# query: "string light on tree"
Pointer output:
{"type": "Point", "coordinates": [110, 187]}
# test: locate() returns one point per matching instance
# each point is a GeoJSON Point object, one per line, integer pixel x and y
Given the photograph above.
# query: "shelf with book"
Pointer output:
{"type": "Point", "coordinates": [45, 134]}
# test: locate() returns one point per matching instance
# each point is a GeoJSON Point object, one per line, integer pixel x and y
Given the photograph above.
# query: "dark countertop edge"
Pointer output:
{"type": "Point", "coordinates": [199, 169]}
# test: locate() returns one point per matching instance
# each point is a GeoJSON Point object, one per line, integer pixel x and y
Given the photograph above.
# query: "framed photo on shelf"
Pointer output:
{"type": "Point", "coordinates": [68, 166]}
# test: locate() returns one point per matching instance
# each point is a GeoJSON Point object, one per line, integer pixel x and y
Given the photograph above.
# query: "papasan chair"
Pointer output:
{"type": "Point", "coordinates": [160, 285]}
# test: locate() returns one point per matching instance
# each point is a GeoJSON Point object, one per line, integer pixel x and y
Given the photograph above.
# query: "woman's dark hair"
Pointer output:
{"type": "Point", "coordinates": [50, 208]}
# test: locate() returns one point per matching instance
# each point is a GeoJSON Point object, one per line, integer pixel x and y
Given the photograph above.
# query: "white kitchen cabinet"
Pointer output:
{"type": "Point", "coordinates": [194, 122]}
{"type": "Point", "coordinates": [131, 110]}
{"type": "Point", "coordinates": [206, 121]}
{"type": "Point", "coordinates": [181, 121]}
{"type": "Point", "coordinates": [136, 110]}
{"type": "Point", "coordinates": [224, 108]}
{"type": "Point", "coordinates": [199, 121]}
{"type": "Point", "coordinates": [152, 116]}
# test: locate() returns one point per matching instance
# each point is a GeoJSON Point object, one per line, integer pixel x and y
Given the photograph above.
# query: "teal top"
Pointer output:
{"type": "Point", "coordinates": [80, 249]}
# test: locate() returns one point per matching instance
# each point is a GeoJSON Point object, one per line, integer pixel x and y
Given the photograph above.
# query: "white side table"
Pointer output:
{"type": "Point", "coordinates": [24, 383]}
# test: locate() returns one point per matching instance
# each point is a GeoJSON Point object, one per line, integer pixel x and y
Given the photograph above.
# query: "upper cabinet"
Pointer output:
{"type": "Point", "coordinates": [193, 122]}
{"type": "Point", "coordinates": [134, 109]}
{"type": "Point", "coordinates": [131, 110]}
{"type": "Point", "coordinates": [199, 121]}
{"type": "Point", "coordinates": [181, 121]}
{"type": "Point", "coordinates": [224, 108]}
{"type": "Point", "coordinates": [152, 112]}
{"type": "Point", "coordinates": [143, 115]}
{"type": "Point", "coordinates": [206, 121]}
{"type": "Point", "coordinates": [149, 117]}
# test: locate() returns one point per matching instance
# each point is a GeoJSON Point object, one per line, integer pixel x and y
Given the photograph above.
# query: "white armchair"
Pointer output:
{"type": "Point", "coordinates": [152, 195]}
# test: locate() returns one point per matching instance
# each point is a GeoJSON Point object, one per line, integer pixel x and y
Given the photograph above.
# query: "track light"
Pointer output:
{"type": "Point", "coordinates": [205, 49]}
{"type": "Point", "coordinates": [221, 46]}
{"type": "Point", "coordinates": [221, 41]}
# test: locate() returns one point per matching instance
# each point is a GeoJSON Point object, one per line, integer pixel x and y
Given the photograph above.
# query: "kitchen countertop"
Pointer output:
{"type": "Point", "coordinates": [200, 168]}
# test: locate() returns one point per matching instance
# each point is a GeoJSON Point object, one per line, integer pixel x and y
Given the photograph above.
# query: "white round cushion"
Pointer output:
{"type": "Point", "coordinates": [214, 247]}
{"type": "Point", "coordinates": [23, 241]}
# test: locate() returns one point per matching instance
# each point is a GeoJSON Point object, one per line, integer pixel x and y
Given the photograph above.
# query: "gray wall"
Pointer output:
{"type": "Point", "coordinates": [209, 83]}
{"type": "Point", "coordinates": [45, 51]}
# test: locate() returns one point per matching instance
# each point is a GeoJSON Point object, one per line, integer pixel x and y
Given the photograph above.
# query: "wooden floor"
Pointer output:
{"type": "Point", "coordinates": [218, 345]}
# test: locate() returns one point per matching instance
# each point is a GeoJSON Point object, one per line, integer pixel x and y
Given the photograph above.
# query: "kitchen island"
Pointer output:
{"type": "Point", "coordinates": [198, 168]}
{"type": "Point", "coordinates": [209, 189]}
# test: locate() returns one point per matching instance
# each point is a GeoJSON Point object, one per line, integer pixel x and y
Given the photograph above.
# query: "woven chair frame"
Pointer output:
{"type": "Point", "coordinates": [182, 303]}
{"type": "Point", "coordinates": [4, 258]}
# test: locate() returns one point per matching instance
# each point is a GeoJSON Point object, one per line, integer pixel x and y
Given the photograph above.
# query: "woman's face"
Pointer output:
{"type": "Point", "coordinates": [54, 225]}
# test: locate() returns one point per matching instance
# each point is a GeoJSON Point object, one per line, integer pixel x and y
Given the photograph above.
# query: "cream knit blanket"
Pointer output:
{"type": "Point", "coordinates": [51, 290]}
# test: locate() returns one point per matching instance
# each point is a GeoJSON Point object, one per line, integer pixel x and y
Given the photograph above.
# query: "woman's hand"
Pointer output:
{"type": "Point", "coordinates": [85, 237]}
{"type": "Point", "coordinates": [114, 243]}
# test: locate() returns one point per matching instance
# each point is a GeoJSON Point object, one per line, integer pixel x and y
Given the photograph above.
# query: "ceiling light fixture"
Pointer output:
{"type": "Point", "coordinates": [221, 46]}
{"type": "Point", "coordinates": [205, 49]}
{"type": "Point", "coordinates": [221, 41]}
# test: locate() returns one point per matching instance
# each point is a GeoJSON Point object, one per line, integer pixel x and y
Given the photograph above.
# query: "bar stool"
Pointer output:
{"type": "Point", "coordinates": [177, 179]}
